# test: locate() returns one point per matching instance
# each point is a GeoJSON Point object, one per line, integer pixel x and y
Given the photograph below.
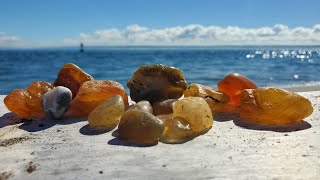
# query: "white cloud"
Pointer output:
{"type": "Point", "coordinates": [196, 34]}
{"type": "Point", "coordinates": [9, 40]}
{"type": "Point", "coordinates": [193, 34]}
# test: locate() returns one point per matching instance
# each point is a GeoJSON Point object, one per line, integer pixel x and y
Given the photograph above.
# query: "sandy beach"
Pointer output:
{"type": "Point", "coordinates": [302, 88]}
{"type": "Point", "coordinates": [68, 150]}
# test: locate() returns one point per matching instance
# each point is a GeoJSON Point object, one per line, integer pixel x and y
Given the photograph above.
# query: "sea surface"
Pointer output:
{"type": "Point", "coordinates": [266, 66]}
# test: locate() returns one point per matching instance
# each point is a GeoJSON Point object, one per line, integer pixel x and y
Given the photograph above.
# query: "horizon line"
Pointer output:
{"type": "Point", "coordinates": [152, 46]}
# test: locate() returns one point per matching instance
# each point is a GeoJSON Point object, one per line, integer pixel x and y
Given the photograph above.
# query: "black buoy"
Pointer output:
{"type": "Point", "coordinates": [81, 47]}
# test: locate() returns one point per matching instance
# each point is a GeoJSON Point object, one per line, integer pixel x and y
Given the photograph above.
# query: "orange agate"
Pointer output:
{"type": "Point", "coordinates": [72, 77]}
{"type": "Point", "coordinates": [92, 93]}
{"type": "Point", "coordinates": [26, 103]}
{"type": "Point", "coordinates": [233, 84]}
{"type": "Point", "coordinates": [273, 107]}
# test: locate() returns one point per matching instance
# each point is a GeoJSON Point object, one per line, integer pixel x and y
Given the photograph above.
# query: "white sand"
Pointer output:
{"type": "Point", "coordinates": [302, 88]}
{"type": "Point", "coordinates": [67, 150]}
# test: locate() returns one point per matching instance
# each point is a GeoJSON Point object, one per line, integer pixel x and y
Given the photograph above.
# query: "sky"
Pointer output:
{"type": "Point", "coordinates": [51, 23]}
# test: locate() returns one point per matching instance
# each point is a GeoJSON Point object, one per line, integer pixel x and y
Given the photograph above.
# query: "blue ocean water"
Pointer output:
{"type": "Point", "coordinates": [267, 66]}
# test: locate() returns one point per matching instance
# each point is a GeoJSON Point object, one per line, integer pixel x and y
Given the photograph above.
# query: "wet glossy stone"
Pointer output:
{"type": "Point", "coordinates": [217, 101]}
{"type": "Point", "coordinates": [107, 115]}
{"type": "Point", "coordinates": [273, 107]}
{"type": "Point", "coordinates": [163, 107]}
{"type": "Point", "coordinates": [92, 93]}
{"type": "Point", "coordinates": [156, 82]}
{"type": "Point", "coordinates": [56, 101]}
{"type": "Point", "coordinates": [196, 112]}
{"type": "Point", "coordinates": [26, 103]}
{"type": "Point", "coordinates": [177, 130]}
{"type": "Point", "coordinates": [142, 106]}
{"type": "Point", "coordinates": [233, 84]}
{"type": "Point", "coordinates": [72, 77]}
{"type": "Point", "coordinates": [140, 127]}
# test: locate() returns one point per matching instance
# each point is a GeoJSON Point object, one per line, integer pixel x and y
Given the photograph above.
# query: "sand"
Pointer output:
{"type": "Point", "coordinates": [49, 149]}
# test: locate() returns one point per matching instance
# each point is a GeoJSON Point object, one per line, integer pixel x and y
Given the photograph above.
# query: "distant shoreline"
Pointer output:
{"type": "Point", "coordinates": [88, 47]}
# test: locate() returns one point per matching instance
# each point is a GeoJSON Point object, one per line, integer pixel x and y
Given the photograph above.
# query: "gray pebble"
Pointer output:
{"type": "Point", "coordinates": [56, 101]}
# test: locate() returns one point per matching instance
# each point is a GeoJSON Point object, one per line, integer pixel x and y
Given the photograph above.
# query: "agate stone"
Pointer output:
{"type": "Point", "coordinates": [217, 101]}
{"type": "Point", "coordinates": [56, 101]}
{"type": "Point", "coordinates": [142, 106]}
{"type": "Point", "coordinates": [156, 83]}
{"type": "Point", "coordinates": [140, 127]}
{"type": "Point", "coordinates": [196, 112]}
{"type": "Point", "coordinates": [233, 84]}
{"type": "Point", "coordinates": [26, 103]}
{"type": "Point", "coordinates": [107, 115]}
{"type": "Point", "coordinates": [163, 107]}
{"type": "Point", "coordinates": [177, 130]}
{"type": "Point", "coordinates": [72, 77]}
{"type": "Point", "coordinates": [273, 107]}
{"type": "Point", "coordinates": [92, 93]}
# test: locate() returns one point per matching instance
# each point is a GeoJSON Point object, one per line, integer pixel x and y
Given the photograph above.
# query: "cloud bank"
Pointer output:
{"type": "Point", "coordinates": [193, 34]}
{"type": "Point", "coordinates": [9, 40]}
{"type": "Point", "coordinates": [196, 34]}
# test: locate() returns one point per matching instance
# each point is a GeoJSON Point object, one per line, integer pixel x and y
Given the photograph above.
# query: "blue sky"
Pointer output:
{"type": "Point", "coordinates": [40, 22]}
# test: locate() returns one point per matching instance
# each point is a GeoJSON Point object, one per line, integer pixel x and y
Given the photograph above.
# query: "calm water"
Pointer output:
{"type": "Point", "coordinates": [279, 66]}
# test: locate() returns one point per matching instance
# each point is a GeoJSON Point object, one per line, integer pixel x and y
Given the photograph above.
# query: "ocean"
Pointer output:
{"type": "Point", "coordinates": [266, 66]}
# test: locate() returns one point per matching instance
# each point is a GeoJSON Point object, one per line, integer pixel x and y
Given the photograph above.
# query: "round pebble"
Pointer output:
{"type": "Point", "coordinates": [56, 101]}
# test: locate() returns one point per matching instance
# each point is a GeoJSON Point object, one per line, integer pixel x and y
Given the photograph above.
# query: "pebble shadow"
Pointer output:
{"type": "Point", "coordinates": [37, 125]}
{"type": "Point", "coordinates": [303, 125]}
{"type": "Point", "coordinates": [10, 119]}
{"type": "Point", "coordinates": [115, 133]}
{"type": "Point", "coordinates": [87, 130]}
{"type": "Point", "coordinates": [118, 142]}
{"type": "Point", "coordinates": [231, 112]}
{"type": "Point", "coordinates": [224, 117]}
{"type": "Point", "coordinates": [43, 124]}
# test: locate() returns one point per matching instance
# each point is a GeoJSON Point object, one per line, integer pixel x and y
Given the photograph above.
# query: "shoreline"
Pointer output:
{"type": "Point", "coordinates": [301, 88]}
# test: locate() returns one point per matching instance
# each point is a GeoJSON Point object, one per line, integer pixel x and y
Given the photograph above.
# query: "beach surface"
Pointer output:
{"type": "Point", "coordinates": [67, 149]}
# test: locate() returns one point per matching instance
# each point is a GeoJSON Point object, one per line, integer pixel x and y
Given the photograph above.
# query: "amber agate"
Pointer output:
{"type": "Point", "coordinates": [272, 106]}
{"type": "Point", "coordinates": [217, 101]}
{"type": "Point", "coordinates": [106, 116]}
{"type": "Point", "coordinates": [142, 106]}
{"type": "Point", "coordinates": [196, 112]}
{"type": "Point", "coordinates": [163, 107]}
{"type": "Point", "coordinates": [72, 77]}
{"type": "Point", "coordinates": [26, 103]}
{"type": "Point", "coordinates": [92, 93]}
{"type": "Point", "coordinates": [233, 84]}
{"type": "Point", "coordinates": [140, 127]}
{"type": "Point", "coordinates": [176, 130]}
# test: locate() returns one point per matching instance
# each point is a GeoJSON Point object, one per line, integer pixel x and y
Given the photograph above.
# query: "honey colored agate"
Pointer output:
{"type": "Point", "coordinates": [26, 103]}
{"type": "Point", "coordinates": [176, 130]}
{"type": "Point", "coordinates": [273, 107]}
{"type": "Point", "coordinates": [163, 107]}
{"type": "Point", "coordinates": [107, 115]}
{"type": "Point", "coordinates": [72, 77]}
{"type": "Point", "coordinates": [140, 127]}
{"type": "Point", "coordinates": [196, 112]}
{"type": "Point", "coordinates": [156, 82]}
{"type": "Point", "coordinates": [92, 93]}
{"type": "Point", "coordinates": [142, 106]}
{"type": "Point", "coordinates": [233, 84]}
{"type": "Point", "coordinates": [217, 101]}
